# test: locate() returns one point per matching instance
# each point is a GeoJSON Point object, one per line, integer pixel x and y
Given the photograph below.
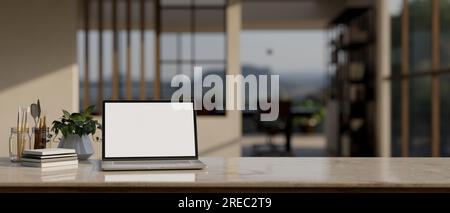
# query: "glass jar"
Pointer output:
{"type": "Point", "coordinates": [40, 137]}
{"type": "Point", "coordinates": [19, 141]}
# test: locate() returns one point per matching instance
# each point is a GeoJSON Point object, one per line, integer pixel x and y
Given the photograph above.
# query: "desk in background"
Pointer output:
{"type": "Point", "coordinates": [295, 112]}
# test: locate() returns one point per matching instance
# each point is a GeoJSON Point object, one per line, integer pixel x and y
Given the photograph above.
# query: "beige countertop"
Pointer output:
{"type": "Point", "coordinates": [243, 174]}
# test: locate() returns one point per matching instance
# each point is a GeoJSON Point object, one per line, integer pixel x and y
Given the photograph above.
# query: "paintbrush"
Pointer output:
{"type": "Point", "coordinates": [22, 127]}
{"type": "Point", "coordinates": [22, 131]}
{"type": "Point", "coordinates": [18, 132]}
{"type": "Point", "coordinates": [44, 131]}
{"type": "Point", "coordinates": [18, 119]}
{"type": "Point", "coordinates": [26, 117]}
{"type": "Point", "coordinates": [39, 110]}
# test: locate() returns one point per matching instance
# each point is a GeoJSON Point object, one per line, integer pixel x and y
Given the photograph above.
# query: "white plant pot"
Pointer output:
{"type": "Point", "coordinates": [82, 145]}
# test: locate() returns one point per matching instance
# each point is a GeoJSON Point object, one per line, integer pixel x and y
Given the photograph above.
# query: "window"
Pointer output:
{"type": "Point", "coordinates": [419, 77]}
{"type": "Point", "coordinates": [192, 34]}
{"type": "Point", "coordinates": [298, 57]}
{"type": "Point", "coordinates": [116, 50]}
{"type": "Point", "coordinates": [118, 41]}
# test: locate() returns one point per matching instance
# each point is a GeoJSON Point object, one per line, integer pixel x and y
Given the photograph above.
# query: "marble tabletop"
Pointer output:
{"type": "Point", "coordinates": [246, 173]}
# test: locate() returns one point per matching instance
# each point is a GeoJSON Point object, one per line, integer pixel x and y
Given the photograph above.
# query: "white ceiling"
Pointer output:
{"type": "Point", "coordinates": [256, 14]}
{"type": "Point", "coordinates": [305, 14]}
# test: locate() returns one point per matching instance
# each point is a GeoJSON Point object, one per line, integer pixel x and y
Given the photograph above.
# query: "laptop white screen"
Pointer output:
{"type": "Point", "coordinates": [153, 129]}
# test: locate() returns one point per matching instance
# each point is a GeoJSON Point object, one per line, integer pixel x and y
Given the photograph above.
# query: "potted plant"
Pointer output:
{"type": "Point", "coordinates": [76, 129]}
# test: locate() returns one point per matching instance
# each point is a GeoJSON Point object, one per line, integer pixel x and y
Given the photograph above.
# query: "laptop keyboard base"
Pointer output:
{"type": "Point", "coordinates": [152, 165]}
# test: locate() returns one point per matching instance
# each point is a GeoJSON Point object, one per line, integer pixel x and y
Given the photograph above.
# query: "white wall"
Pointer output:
{"type": "Point", "coordinates": [37, 59]}
{"type": "Point", "coordinates": [383, 87]}
{"type": "Point", "coordinates": [284, 15]}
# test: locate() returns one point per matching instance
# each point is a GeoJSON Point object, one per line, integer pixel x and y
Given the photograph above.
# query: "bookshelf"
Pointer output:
{"type": "Point", "coordinates": [352, 80]}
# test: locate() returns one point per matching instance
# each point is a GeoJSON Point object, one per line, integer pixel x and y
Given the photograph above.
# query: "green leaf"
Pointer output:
{"type": "Point", "coordinates": [64, 131]}
{"type": "Point", "coordinates": [79, 123]}
{"type": "Point", "coordinates": [89, 110]}
{"type": "Point", "coordinates": [86, 129]}
{"type": "Point", "coordinates": [66, 114]}
{"type": "Point", "coordinates": [76, 123]}
{"type": "Point", "coordinates": [77, 117]}
{"type": "Point", "coordinates": [79, 131]}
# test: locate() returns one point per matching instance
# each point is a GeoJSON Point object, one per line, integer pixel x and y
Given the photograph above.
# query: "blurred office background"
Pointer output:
{"type": "Point", "coordinates": [357, 77]}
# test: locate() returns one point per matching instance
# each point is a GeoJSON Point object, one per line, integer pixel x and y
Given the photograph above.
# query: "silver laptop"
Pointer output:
{"type": "Point", "coordinates": [149, 135]}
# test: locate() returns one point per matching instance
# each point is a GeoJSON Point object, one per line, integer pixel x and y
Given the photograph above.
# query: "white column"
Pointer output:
{"type": "Point", "coordinates": [383, 86]}
{"type": "Point", "coordinates": [233, 36]}
{"type": "Point", "coordinates": [233, 27]}
{"type": "Point", "coordinates": [218, 134]}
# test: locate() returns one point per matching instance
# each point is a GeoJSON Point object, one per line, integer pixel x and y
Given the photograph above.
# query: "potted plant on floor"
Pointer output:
{"type": "Point", "coordinates": [76, 129]}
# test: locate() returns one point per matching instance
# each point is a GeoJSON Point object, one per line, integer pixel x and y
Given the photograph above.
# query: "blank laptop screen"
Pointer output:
{"type": "Point", "coordinates": [158, 129]}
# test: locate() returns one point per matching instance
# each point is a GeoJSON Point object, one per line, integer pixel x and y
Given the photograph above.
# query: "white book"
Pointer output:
{"type": "Point", "coordinates": [49, 156]}
{"type": "Point", "coordinates": [49, 151]}
{"type": "Point", "coordinates": [47, 160]}
{"type": "Point", "coordinates": [50, 164]}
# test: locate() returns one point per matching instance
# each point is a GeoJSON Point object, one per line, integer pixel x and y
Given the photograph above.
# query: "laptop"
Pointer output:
{"type": "Point", "coordinates": [149, 135]}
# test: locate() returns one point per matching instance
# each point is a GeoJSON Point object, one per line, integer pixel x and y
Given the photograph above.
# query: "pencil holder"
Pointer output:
{"type": "Point", "coordinates": [19, 141]}
{"type": "Point", "coordinates": [40, 137]}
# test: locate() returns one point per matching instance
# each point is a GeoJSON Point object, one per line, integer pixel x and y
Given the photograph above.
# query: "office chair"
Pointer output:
{"type": "Point", "coordinates": [271, 128]}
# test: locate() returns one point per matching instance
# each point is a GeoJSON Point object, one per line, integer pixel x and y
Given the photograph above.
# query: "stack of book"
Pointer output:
{"type": "Point", "coordinates": [55, 157]}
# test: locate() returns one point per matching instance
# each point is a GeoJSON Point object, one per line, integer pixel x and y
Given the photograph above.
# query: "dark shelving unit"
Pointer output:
{"type": "Point", "coordinates": [349, 14]}
{"type": "Point", "coordinates": [352, 70]}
